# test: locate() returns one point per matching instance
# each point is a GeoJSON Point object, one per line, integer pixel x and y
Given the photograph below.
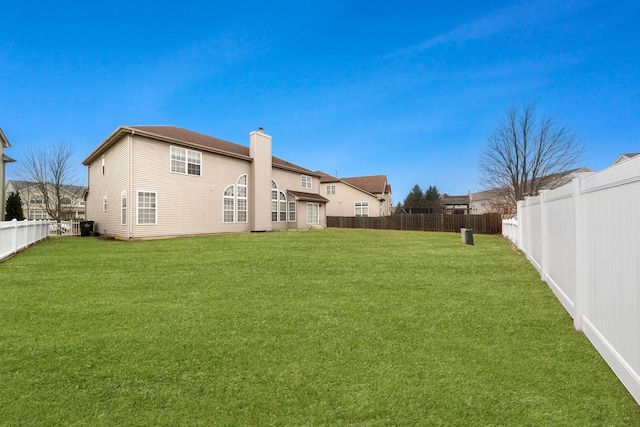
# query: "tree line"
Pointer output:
{"type": "Point", "coordinates": [418, 201]}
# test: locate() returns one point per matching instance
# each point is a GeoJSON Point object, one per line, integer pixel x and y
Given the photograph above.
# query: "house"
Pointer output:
{"type": "Point", "coordinates": [34, 202]}
{"type": "Point", "coordinates": [455, 204]}
{"type": "Point", "coordinates": [162, 181]}
{"type": "Point", "coordinates": [500, 200]}
{"type": "Point", "coordinates": [624, 157]}
{"type": "Point", "coordinates": [4, 143]}
{"type": "Point", "coordinates": [489, 201]}
{"type": "Point", "coordinates": [356, 196]}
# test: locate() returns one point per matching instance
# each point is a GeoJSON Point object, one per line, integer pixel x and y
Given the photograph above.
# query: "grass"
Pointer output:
{"type": "Point", "coordinates": [327, 327]}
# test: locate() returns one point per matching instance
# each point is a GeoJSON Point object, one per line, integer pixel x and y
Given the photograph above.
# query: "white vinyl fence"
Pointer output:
{"type": "Point", "coordinates": [17, 235]}
{"type": "Point", "coordinates": [65, 228]}
{"type": "Point", "coordinates": [584, 239]}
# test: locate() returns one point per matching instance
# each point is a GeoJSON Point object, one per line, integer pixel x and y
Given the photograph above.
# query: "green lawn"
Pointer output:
{"type": "Point", "coordinates": [326, 327]}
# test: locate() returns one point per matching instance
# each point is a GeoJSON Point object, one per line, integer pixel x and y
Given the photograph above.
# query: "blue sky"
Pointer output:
{"type": "Point", "coordinates": [409, 89]}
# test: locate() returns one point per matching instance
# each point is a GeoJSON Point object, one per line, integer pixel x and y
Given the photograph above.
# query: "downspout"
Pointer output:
{"type": "Point", "coordinates": [130, 214]}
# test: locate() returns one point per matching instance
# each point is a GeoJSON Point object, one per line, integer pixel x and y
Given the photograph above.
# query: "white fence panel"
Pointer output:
{"type": "Point", "coordinates": [533, 229]}
{"type": "Point", "coordinates": [510, 230]}
{"type": "Point", "coordinates": [610, 298]}
{"type": "Point", "coordinates": [584, 239]}
{"type": "Point", "coordinates": [17, 235]}
{"type": "Point", "coordinates": [559, 244]}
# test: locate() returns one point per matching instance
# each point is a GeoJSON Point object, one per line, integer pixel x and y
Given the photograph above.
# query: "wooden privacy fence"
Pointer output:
{"type": "Point", "coordinates": [480, 224]}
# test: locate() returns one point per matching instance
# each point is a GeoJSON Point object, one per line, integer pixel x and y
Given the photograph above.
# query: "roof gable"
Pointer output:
{"type": "Point", "coordinates": [177, 135]}
{"type": "Point", "coordinates": [624, 157]}
{"type": "Point", "coordinates": [4, 140]}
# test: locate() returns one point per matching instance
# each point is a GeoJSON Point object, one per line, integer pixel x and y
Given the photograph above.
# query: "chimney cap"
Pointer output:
{"type": "Point", "coordinates": [261, 129]}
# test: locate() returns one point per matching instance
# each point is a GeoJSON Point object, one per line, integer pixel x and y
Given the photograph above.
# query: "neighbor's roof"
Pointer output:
{"type": "Point", "coordinates": [624, 157]}
{"type": "Point", "coordinates": [455, 200]}
{"type": "Point", "coordinates": [177, 135]}
{"type": "Point", "coordinates": [22, 185]}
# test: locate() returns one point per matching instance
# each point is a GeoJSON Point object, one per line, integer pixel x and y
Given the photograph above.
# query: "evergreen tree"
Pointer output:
{"type": "Point", "coordinates": [432, 199]}
{"type": "Point", "coordinates": [14, 207]}
{"type": "Point", "coordinates": [414, 199]}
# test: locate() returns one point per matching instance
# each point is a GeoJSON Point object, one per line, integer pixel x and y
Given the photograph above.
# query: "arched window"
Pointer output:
{"type": "Point", "coordinates": [241, 198]}
{"type": "Point", "coordinates": [228, 204]}
{"type": "Point", "coordinates": [234, 201]}
{"type": "Point", "coordinates": [65, 201]}
{"type": "Point", "coordinates": [278, 203]}
{"type": "Point", "coordinates": [282, 207]}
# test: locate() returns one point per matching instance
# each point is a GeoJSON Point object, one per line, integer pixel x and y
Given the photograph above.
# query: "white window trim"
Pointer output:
{"type": "Point", "coordinates": [232, 198]}
{"type": "Point", "coordinates": [236, 199]}
{"type": "Point", "coordinates": [138, 208]}
{"type": "Point", "coordinates": [239, 198]}
{"type": "Point", "coordinates": [306, 181]}
{"type": "Point", "coordinates": [291, 211]}
{"type": "Point", "coordinates": [360, 206]}
{"type": "Point", "coordinates": [123, 208]}
{"type": "Point", "coordinates": [104, 204]}
{"type": "Point", "coordinates": [187, 153]}
{"type": "Point", "coordinates": [331, 189]}
{"type": "Point", "coordinates": [280, 203]}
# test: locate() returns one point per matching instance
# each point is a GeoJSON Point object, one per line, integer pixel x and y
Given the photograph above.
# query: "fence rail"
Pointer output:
{"type": "Point", "coordinates": [480, 224]}
{"type": "Point", "coordinates": [17, 235]}
{"type": "Point", "coordinates": [590, 261]}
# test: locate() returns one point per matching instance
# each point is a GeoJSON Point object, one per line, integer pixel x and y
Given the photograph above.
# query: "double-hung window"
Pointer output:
{"type": "Point", "coordinates": [185, 161]}
{"type": "Point", "coordinates": [123, 208]}
{"type": "Point", "coordinates": [292, 211]}
{"type": "Point", "coordinates": [331, 189]}
{"type": "Point", "coordinates": [305, 181]}
{"type": "Point", "coordinates": [229, 204]}
{"type": "Point", "coordinates": [147, 208]}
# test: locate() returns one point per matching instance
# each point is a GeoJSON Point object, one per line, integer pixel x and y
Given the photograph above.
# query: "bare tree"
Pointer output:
{"type": "Point", "coordinates": [525, 152]}
{"type": "Point", "coordinates": [49, 170]}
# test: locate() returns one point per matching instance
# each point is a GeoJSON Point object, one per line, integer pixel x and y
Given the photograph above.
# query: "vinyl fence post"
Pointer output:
{"type": "Point", "coordinates": [14, 237]}
{"type": "Point", "coordinates": [581, 244]}
{"type": "Point", "coordinates": [544, 237]}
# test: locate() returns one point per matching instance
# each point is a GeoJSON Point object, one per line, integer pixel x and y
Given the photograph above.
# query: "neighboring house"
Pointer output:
{"type": "Point", "coordinates": [162, 181]}
{"type": "Point", "coordinates": [624, 157]}
{"type": "Point", "coordinates": [498, 200]}
{"type": "Point", "coordinates": [455, 204]}
{"type": "Point", "coordinates": [34, 203]}
{"type": "Point", "coordinates": [4, 143]}
{"type": "Point", "coordinates": [490, 201]}
{"type": "Point", "coordinates": [356, 196]}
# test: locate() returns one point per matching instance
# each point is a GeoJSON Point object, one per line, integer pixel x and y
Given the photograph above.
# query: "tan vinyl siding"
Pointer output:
{"type": "Point", "coordinates": [110, 184]}
{"type": "Point", "coordinates": [186, 204]}
{"type": "Point", "coordinates": [288, 180]}
{"type": "Point", "coordinates": [343, 202]}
